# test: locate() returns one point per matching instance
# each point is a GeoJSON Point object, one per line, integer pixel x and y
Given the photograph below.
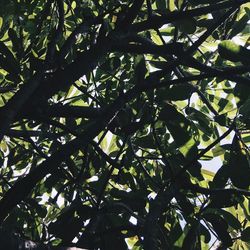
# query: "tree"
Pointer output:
{"type": "Point", "coordinates": [110, 109]}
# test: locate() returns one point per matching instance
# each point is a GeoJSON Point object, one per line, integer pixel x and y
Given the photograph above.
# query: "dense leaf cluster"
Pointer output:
{"type": "Point", "coordinates": [109, 111]}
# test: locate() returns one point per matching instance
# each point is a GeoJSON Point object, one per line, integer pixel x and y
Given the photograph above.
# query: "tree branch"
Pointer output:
{"type": "Point", "coordinates": [216, 191]}
{"type": "Point", "coordinates": [14, 105]}
{"type": "Point", "coordinates": [81, 28]}
{"type": "Point", "coordinates": [131, 14]}
{"type": "Point", "coordinates": [157, 21]}
{"type": "Point", "coordinates": [203, 152]}
{"type": "Point", "coordinates": [58, 110]}
{"type": "Point", "coordinates": [56, 34]}
{"type": "Point", "coordinates": [31, 133]}
{"type": "Point", "coordinates": [24, 186]}
{"type": "Point", "coordinates": [168, 49]}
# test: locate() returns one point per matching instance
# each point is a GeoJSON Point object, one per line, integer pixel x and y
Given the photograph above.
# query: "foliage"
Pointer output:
{"type": "Point", "coordinates": [109, 111]}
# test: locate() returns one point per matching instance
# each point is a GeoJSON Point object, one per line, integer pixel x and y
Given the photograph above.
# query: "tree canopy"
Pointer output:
{"type": "Point", "coordinates": [109, 113]}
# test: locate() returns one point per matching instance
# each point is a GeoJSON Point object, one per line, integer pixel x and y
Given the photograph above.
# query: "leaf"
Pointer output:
{"type": "Point", "coordinates": [40, 209]}
{"type": "Point", "coordinates": [16, 42]}
{"type": "Point", "coordinates": [234, 52]}
{"type": "Point", "coordinates": [140, 69]}
{"type": "Point", "coordinates": [202, 119]}
{"type": "Point", "coordinates": [239, 26]}
{"type": "Point", "coordinates": [187, 26]}
{"type": "Point", "coordinates": [175, 232]}
{"type": "Point", "coordinates": [245, 109]}
{"type": "Point", "coordinates": [225, 199]}
{"type": "Point", "coordinates": [159, 64]}
{"type": "Point", "coordinates": [180, 3]}
{"type": "Point", "coordinates": [239, 169]}
{"type": "Point", "coordinates": [67, 230]}
{"type": "Point", "coordinates": [176, 92]}
{"type": "Point", "coordinates": [220, 226]}
{"type": "Point", "coordinates": [242, 93]}
{"type": "Point", "coordinates": [73, 4]}
{"type": "Point", "coordinates": [184, 203]}
{"type": "Point", "coordinates": [202, 1]}
{"type": "Point", "coordinates": [7, 54]}
{"type": "Point", "coordinates": [85, 212]}
{"type": "Point", "coordinates": [177, 124]}
{"type": "Point", "coordinates": [191, 236]}
{"type": "Point", "coordinates": [232, 220]}
{"type": "Point", "coordinates": [245, 234]}
{"type": "Point", "coordinates": [221, 119]}
{"type": "Point", "coordinates": [171, 5]}
{"type": "Point", "coordinates": [146, 141]}
{"type": "Point", "coordinates": [227, 216]}
{"type": "Point", "coordinates": [225, 105]}
{"type": "Point", "coordinates": [217, 151]}
{"type": "Point", "coordinates": [196, 170]}
{"type": "Point", "coordinates": [6, 65]}
{"type": "Point", "coordinates": [221, 177]}
{"type": "Point", "coordinates": [134, 200]}
{"type": "Point", "coordinates": [161, 4]}
{"type": "Point", "coordinates": [111, 64]}
{"type": "Point", "coordinates": [204, 231]}
{"type": "Point", "coordinates": [155, 37]}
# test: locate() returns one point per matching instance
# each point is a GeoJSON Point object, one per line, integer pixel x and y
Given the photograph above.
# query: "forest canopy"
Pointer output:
{"type": "Point", "coordinates": [125, 124]}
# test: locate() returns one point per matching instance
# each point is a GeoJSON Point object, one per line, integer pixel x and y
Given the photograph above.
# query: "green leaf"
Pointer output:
{"type": "Point", "coordinates": [158, 64]}
{"type": "Point", "coordinates": [239, 26]}
{"type": "Point", "coordinates": [40, 209]}
{"type": "Point", "coordinates": [177, 124]}
{"type": "Point", "coordinates": [189, 150]}
{"type": "Point", "coordinates": [16, 42]}
{"type": "Point", "coordinates": [245, 109]}
{"type": "Point", "coordinates": [191, 237]}
{"type": "Point", "coordinates": [184, 203]}
{"type": "Point", "coordinates": [220, 226]}
{"type": "Point", "coordinates": [146, 141]}
{"type": "Point", "coordinates": [85, 212]}
{"type": "Point", "coordinates": [225, 105]}
{"type": "Point", "coordinates": [217, 151]}
{"type": "Point", "coordinates": [202, 119]}
{"type": "Point", "coordinates": [196, 170]}
{"type": "Point", "coordinates": [221, 177]}
{"type": "Point", "coordinates": [171, 5]}
{"type": "Point", "coordinates": [187, 26]}
{"type": "Point", "coordinates": [239, 168]}
{"type": "Point", "coordinates": [205, 232]}
{"type": "Point", "coordinates": [161, 4]}
{"type": "Point", "coordinates": [140, 69]}
{"type": "Point", "coordinates": [202, 1]}
{"type": "Point", "coordinates": [225, 199]}
{"type": "Point", "coordinates": [232, 220]}
{"type": "Point", "coordinates": [221, 119]}
{"type": "Point", "coordinates": [111, 64]}
{"type": "Point", "coordinates": [180, 3]}
{"type": "Point", "coordinates": [234, 52]}
{"type": "Point", "coordinates": [245, 234]}
{"type": "Point", "coordinates": [176, 92]}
